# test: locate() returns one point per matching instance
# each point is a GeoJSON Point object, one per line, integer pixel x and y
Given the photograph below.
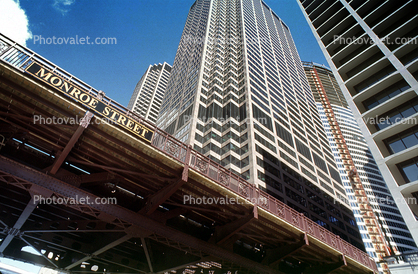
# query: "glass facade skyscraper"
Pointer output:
{"type": "Point", "coordinates": [372, 48]}
{"type": "Point", "coordinates": [392, 224]}
{"type": "Point", "coordinates": [238, 93]}
{"type": "Point", "coordinates": [149, 92]}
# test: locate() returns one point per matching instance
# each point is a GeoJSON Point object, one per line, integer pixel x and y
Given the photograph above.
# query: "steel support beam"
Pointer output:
{"type": "Point", "coordinates": [17, 116]}
{"type": "Point", "coordinates": [223, 233]}
{"type": "Point", "coordinates": [147, 255]}
{"type": "Point", "coordinates": [160, 197]}
{"type": "Point", "coordinates": [97, 177]}
{"type": "Point", "coordinates": [99, 251]}
{"type": "Point", "coordinates": [185, 173]}
{"type": "Point", "coordinates": [39, 251]}
{"type": "Point", "coordinates": [143, 175]}
{"type": "Point", "coordinates": [274, 256]}
{"type": "Point", "coordinates": [138, 221]}
{"type": "Point", "coordinates": [261, 238]}
{"type": "Point", "coordinates": [326, 268]}
{"type": "Point", "coordinates": [173, 213]}
{"type": "Point", "coordinates": [15, 230]}
{"type": "Point", "coordinates": [162, 217]}
{"type": "Point", "coordinates": [30, 207]}
{"type": "Point", "coordinates": [197, 208]}
{"type": "Point", "coordinates": [204, 259]}
{"type": "Point", "coordinates": [82, 225]}
{"type": "Point", "coordinates": [144, 156]}
{"type": "Point", "coordinates": [84, 123]}
{"type": "Point", "coordinates": [36, 98]}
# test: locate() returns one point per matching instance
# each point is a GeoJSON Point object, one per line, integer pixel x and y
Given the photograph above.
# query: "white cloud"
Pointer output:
{"type": "Point", "coordinates": [63, 6]}
{"type": "Point", "coordinates": [13, 21]}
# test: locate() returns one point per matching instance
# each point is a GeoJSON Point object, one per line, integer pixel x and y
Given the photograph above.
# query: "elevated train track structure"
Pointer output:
{"type": "Point", "coordinates": [103, 151]}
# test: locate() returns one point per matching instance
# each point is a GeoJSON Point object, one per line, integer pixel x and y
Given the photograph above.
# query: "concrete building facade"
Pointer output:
{"type": "Point", "coordinates": [149, 92]}
{"type": "Point", "coordinates": [392, 225]}
{"type": "Point", "coordinates": [372, 49]}
{"type": "Point", "coordinates": [238, 93]}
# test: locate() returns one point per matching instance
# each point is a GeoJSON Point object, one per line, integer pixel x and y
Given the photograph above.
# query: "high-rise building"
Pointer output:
{"type": "Point", "coordinates": [394, 231]}
{"type": "Point", "coordinates": [372, 48]}
{"type": "Point", "coordinates": [149, 92]}
{"type": "Point", "coordinates": [239, 94]}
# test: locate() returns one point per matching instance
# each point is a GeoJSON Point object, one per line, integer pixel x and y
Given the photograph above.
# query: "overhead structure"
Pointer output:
{"type": "Point", "coordinates": [95, 188]}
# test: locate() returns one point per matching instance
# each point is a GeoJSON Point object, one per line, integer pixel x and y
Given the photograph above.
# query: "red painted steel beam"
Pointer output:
{"type": "Point", "coordinates": [138, 152]}
{"type": "Point", "coordinates": [30, 207]}
{"type": "Point", "coordinates": [223, 233]}
{"type": "Point", "coordinates": [99, 251]}
{"type": "Point", "coordinates": [140, 174]}
{"type": "Point", "coordinates": [326, 268]}
{"type": "Point", "coordinates": [42, 131]}
{"type": "Point", "coordinates": [139, 221]}
{"type": "Point", "coordinates": [274, 256]}
{"type": "Point", "coordinates": [35, 97]}
{"type": "Point", "coordinates": [160, 197]}
{"type": "Point", "coordinates": [204, 259]}
{"type": "Point", "coordinates": [69, 114]}
{"type": "Point", "coordinates": [147, 255]}
{"type": "Point", "coordinates": [96, 177]}
{"type": "Point", "coordinates": [202, 209]}
{"type": "Point", "coordinates": [17, 116]}
{"type": "Point", "coordinates": [60, 159]}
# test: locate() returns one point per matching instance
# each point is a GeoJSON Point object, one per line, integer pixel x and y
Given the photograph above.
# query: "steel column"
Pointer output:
{"type": "Point", "coordinates": [84, 123]}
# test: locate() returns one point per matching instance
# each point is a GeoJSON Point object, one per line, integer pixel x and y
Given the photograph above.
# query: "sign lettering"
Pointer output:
{"type": "Point", "coordinates": [93, 103]}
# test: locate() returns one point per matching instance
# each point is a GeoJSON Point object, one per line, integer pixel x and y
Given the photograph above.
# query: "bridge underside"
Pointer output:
{"type": "Point", "coordinates": [151, 229]}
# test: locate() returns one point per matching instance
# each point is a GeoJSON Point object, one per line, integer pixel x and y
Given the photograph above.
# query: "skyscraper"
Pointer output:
{"type": "Point", "coordinates": [394, 231]}
{"type": "Point", "coordinates": [372, 49]}
{"type": "Point", "coordinates": [148, 94]}
{"type": "Point", "coordinates": [239, 94]}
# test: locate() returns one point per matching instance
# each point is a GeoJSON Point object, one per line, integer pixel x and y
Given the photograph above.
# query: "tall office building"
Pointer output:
{"type": "Point", "coordinates": [149, 92]}
{"type": "Point", "coordinates": [239, 94]}
{"type": "Point", "coordinates": [372, 48]}
{"type": "Point", "coordinates": [394, 230]}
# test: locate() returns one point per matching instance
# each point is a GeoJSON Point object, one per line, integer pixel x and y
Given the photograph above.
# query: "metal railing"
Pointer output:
{"type": "Point", "coordinates": [20, 57]}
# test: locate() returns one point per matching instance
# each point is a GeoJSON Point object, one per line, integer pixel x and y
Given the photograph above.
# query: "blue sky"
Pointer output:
{"type": "Point", "coordinates": [147, 32]}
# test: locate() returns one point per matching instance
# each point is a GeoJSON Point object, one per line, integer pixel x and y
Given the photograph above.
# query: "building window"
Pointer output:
{"type": "Point", "coordinates": [409, 170]}
{"type": "Point", "coordinates": [386, 94]}
{"type": "Point", "coordinates": [401, 141]}
{"type": "Point", "coordinates": [398, 114]}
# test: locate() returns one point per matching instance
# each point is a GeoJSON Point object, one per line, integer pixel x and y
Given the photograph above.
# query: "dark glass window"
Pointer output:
{"type": "Point", "coordinates": [397, 114]}
{"type": "Point", "coordinates": [373, 79]}
{"type": "Point", "coordinates": [262, 117]}
{"type": "Point", "coordinates": [304, 150]}
{"type": "Point", "coordinates": [403, 140]}
{"type": "Point", "coordinates": [386, 94]}
{"type": "Point", "coordinates": [320, 163]}
{"type": "Point", "coordinates": [409, 169]}
{"type": "Point", "coordinates": [264, 142]}
{"type": "Point", "coordinates": [410, 140]}
{"type": "Point", "coordinates": [284, 134]}
{"type": "Point", "coordinates": [397, 146]}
